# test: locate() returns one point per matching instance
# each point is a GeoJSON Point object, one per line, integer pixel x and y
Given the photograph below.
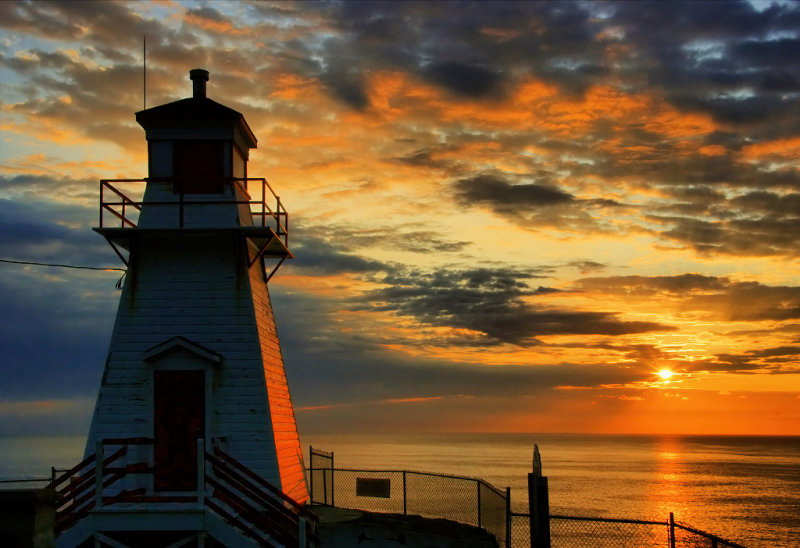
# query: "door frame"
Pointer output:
{"type": "Point", "coordinates": [182, 354]}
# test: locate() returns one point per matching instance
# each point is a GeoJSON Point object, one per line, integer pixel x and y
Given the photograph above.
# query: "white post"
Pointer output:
{"type": "Point", "coordinates": [301, 534]}
{"type": "Point", "coordinates": [201, 469]}
{"type": "Point", "coordinates": [98, 476]}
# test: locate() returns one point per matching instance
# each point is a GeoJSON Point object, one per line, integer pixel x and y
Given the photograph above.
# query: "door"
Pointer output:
{"type": "Point", "coordinates": [198, 166]}
{"type": "Point", "coordinates": [179, 421]}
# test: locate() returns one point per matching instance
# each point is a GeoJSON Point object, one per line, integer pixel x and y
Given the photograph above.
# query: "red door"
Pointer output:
{"type": "Point", "coordinates": [198, 166]}
{"type": "Point", "coordinates": [179, 421]}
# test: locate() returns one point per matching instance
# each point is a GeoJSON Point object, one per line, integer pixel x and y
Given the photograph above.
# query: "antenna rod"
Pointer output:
{"type": "Point", "coordinates": [144, 71]}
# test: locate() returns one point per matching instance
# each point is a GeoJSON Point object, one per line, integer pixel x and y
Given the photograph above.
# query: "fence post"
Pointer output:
{"type": "Point", "coordinates": [325, 486]}
{"type": "Point", "coordinates": [539, 504]}
{"type": "Point", "coordinates": [405, 505]}
{"type": "Point", "coordinates": [333, 475]}
{"type": "Point", "coordinates": [671, 530]}
{"type": "Point", "coordinates": [301, 533]}
{"type": "Point", "coordinates": [98, 475]}
{"type": "Point", "coordinates": [478, 485]}
{"type": "Point", "coordinates": [311, 472]}
{"type": "Point", "coordinates": [508, 517]}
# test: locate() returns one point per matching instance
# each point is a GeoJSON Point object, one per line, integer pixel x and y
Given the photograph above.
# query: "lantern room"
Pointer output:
{"type": "Point", "coordinates": [196, 143]}
{"type": "Point", "coordinates": [198, 151]}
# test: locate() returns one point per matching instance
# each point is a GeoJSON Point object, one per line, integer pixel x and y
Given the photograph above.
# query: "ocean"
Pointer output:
{"type": "Point", "coordinates": [745, 489]}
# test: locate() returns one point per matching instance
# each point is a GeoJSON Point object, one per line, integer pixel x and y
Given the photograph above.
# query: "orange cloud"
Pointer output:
{"type": "Point", "coordinates": [412, 400]}
{"type": "Point", "coordinates": [288, 86]}
{"type": "Point", "coordinates": [788, 149]}
{"type": "Point", "coordinates": [219, 27]}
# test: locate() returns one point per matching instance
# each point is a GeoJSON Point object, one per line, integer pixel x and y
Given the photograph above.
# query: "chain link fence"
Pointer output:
{"type": "Point", "coordinates": [579, 532]}
{"type": "Point", "coordinates": [520, 530]}
{"type": "Point", "coordinates": [475, 502]}
{"type": "Point", "coordinates": [465, 500]}
{"type": "Point", "coordinates": [685, 536]}
{"type": "Point", "coordinates": [26, 483]}
{"type": "Point", "coordinates": [590, 532]}
{"type": "Point", "coordinates": [31, 482]}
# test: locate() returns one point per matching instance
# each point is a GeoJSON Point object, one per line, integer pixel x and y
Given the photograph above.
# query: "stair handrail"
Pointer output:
{"type": "Point", "coordinates": [240, 496]}
{"type": "Point", "coordinates": [288, 514]}
{"type": "Point", "coordinates": [75, 493]}
{"type": "Point", "coordinates": [299, 508]}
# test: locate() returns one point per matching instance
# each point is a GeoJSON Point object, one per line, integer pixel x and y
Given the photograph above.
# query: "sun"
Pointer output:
{"type": "Point", "coordinates": [665, 374]}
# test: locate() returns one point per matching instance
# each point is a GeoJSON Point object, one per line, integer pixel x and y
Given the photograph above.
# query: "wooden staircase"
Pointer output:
{"type": "Point", "coordinates": [91, 501]}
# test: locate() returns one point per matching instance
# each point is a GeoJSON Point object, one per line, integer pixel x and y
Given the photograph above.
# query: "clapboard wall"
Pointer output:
{"type": "Point", "coordinates": [196, 285]}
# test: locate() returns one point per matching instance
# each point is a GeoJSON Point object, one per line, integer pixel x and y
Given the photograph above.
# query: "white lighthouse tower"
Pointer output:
{"type": "Point", "coordinates": [193, 437]}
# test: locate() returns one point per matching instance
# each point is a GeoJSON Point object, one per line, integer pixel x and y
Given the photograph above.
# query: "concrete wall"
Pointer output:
{"type": "Point", "coordinates": [27, 517]}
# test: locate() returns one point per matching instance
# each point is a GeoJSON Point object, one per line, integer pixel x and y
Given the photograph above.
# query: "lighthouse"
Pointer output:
{"type": "Point", "coordinates": [193, 427]}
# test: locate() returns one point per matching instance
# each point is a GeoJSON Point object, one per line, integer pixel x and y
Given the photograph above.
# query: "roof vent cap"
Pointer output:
{"type": "Point", "coordinates": [199, 77]}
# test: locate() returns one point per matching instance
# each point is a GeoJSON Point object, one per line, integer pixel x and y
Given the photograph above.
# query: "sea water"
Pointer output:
{"type": "Point", "coordinates": [746, 489]}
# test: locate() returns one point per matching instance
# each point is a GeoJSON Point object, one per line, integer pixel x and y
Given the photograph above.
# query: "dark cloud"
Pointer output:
{"type": "Point", "coordinates": [464, 79]}
{"type": "Point", "coordinates": [490, 302]}
{"type": "Point", "coordinates": [650, 285]}
{"type": "Point", "coordinates": [716, 297]}
{"type": "Point", "coordinates": [534, 205]}
{"type": "Point", "coordinates": [87, 22]}
{"type": "Point", "coordinates": [586, 266]}
{"type": "Point", "coordinates": [344, 367]}
{"type": "Point", "coordinates": [769, 204]}
{"type": "Point", "coordinates": [747, 237]}
{"type": "Point", "coordinates": [336, 239]}
{"type": "Point", "coordinates": [344, 78]}
{"type": "Point", "coordinates": [55, 325]}
{"type": "Point", "coordinates": [32, 232]}
{"type": "Point", "coordinates": [56, 321]}
{"type": "Point", "coordinates": [315, 255]}
{"type": "Point", "coordinates": [500, 193]}
{"type": "Point", "coordinates": [778, 360]}
{"type": "Point", "coordinates": [208, 13]}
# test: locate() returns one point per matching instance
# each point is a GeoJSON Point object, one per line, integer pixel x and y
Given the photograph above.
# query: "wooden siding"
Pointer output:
{"type": "Point", "coordinates": [200, 288]}
{"type": "Point", "coordinates": [281, 412]}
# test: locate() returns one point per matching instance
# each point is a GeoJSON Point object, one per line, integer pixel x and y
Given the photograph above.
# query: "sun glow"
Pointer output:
{"type": "Point", "coordinates": [665, 374]}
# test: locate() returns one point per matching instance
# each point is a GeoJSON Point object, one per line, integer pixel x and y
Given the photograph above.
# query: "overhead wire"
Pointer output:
{"type": "Point", "coordinates": [118, 285]}
{"type": "Point", "coordinates": [63, 265]}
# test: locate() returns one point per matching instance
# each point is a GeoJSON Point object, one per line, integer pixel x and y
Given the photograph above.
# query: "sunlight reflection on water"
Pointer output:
{"type": "Point", "coordinates": [745, 489]}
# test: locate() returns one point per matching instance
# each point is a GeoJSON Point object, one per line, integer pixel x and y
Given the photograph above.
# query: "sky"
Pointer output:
{"type": "Point", "coordinates": [506, 217]}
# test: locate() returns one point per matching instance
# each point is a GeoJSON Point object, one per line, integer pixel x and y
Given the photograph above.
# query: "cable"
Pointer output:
{"type": "Point", "coordinates": [63, 265]}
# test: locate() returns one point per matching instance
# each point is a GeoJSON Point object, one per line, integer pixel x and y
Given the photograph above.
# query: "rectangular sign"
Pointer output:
{"type": "Point", "coordinates": [373, 487]}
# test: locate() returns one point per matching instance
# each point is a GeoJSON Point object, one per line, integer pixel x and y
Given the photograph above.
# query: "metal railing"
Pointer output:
{"type": "Point", "coordinates": [225, 486]}
{"type": "Point", "coordinates": [462, 499]}
{"type": "Point", "coordinates": [122, 208]}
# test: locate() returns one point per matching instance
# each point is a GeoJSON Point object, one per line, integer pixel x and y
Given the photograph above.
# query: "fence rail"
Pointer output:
{"type": "Point", "coordinates": [24, 483]}
{"type": "Point", "coordinates": [466, 500]}
{"type": "Point", "coordinates": [593, 532]}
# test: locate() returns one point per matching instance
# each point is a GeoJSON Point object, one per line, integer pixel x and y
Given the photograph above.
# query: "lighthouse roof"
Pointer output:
{"type": "Point", "coordinates": [196, 113]}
